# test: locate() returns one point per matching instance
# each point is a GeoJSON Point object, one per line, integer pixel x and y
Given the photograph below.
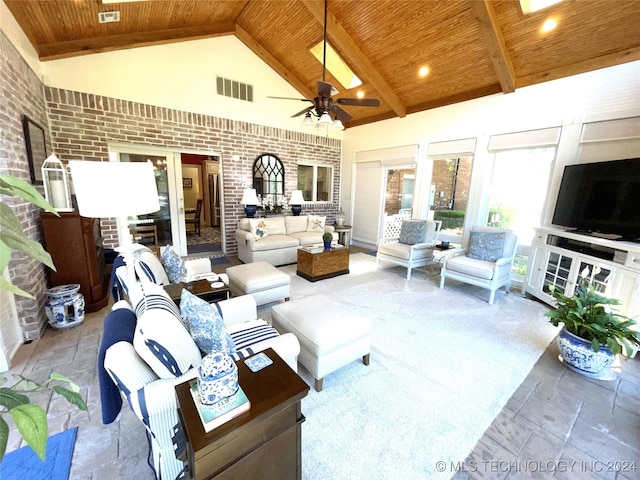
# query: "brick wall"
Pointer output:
{"type": "Point", "coordinates": [22, 94]}
{"type": "Point", "coordinates": [82, 125]}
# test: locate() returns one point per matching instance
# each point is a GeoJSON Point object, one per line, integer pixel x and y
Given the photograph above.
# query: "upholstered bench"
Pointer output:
{"type": "Point", "coordinates": [330, 337]}
{"type": "Point", "coordinates": [261, 280]}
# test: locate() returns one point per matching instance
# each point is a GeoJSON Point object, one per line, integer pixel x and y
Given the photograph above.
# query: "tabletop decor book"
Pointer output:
{"type": "Point", "coordinates": [213, 416]}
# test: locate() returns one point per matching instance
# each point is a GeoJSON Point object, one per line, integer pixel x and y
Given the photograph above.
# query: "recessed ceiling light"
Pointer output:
{"type": "Point", "coordinates": [360, 94]}
{"type": "Point", "coordinates": [424, 71]}
{"type": "Point", "coordinates": [548, 25]}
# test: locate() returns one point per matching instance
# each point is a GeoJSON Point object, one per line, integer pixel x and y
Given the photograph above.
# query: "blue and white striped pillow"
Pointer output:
{"type": "Point", "coordinates": [160, 338]}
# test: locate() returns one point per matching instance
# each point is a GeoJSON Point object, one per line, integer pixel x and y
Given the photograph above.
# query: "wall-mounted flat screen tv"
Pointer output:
{"type": "Point", "coordinates": [602, 197]}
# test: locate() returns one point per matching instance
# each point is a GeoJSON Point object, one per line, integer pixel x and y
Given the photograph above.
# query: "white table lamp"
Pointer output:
{"type": "Point", "coordinates": [115, 190]}
{"type": "Point", "coordinates": [250, 202]}
{"type": "Point", "coordinates": [296, 202]}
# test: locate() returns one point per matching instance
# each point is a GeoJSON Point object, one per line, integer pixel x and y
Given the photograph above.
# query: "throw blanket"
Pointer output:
{"type": "Point", "coordinates": [119, 326]}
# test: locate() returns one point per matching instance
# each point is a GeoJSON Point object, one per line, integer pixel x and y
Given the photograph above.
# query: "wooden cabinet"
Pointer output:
{"type": "Point", "coordinates": [264, 443]}
{"type": "Point", "coordinates": [561, 258]}
{"type": "Point", "coordinates": [75, 245]}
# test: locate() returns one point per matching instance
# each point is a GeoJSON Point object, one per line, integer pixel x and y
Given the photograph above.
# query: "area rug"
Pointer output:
{"type": "Point", "coordinates": [443, 365]}
{"type": "Point", "coordinates": [216, 261]}
{"type": "Point", "coordinates": [206, 247]}
{"type": "Point", "coordinates": [24, 464]}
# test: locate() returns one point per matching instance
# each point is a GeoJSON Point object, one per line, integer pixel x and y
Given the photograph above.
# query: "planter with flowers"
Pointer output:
{"type": "Point", "coordinates": [593, 332]}
{"type": "Point", "coordinates": [273, 205]}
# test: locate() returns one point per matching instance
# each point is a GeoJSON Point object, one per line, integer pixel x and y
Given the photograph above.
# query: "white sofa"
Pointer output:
{"type": "Point", "coordinates": [285, 234]}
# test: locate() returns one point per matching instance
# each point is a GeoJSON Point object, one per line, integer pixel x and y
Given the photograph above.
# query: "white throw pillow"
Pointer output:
{"type": "Point", "coordinates": [160, 338]}
{"type": "Point", "coordinates": [316, 223]}
{"type": "Point", "coordinates": [259, 228]}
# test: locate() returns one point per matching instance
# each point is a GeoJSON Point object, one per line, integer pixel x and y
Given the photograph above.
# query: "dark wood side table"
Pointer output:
{"type": "Point", "coordinates": [200, 288]}
{"type": "Point", "coordinates": [263, 443]}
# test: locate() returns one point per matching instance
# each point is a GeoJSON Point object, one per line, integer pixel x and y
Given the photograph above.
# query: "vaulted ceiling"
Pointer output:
{"type": "Point", "coordinates": [471, 48]}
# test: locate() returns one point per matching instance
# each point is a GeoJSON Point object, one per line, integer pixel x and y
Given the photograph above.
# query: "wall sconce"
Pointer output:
{"type": "Point", "coordinates": [296, 202]}
{"type": "Point", "coordinates": [55, 178]}
{"type": "Point", "coordinates": [250, 202]}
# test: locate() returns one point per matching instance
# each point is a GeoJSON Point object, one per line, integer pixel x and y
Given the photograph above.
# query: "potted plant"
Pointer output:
{"type": "Point", "coordinates": [30, 419]}
{"type": "Point", "coordinates": [593, 332]}
{"type": "Point", "coordinates": [327, 238]}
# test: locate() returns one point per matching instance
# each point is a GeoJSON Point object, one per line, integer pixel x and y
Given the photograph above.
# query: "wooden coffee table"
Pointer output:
{"type": "Point", "coordinates": [324, 264]}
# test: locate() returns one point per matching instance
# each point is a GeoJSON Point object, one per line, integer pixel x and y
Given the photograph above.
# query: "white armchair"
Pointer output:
{"type": "Point", "coordinates": [400, 249]}
{"type": "Point", "coordinates": [486, 262]}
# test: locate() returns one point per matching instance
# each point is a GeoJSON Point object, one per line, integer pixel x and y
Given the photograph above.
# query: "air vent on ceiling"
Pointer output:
{"type": "Point", "coordinates": [234, 89]}
{"type": "Point", "coordinates": [108, 17]}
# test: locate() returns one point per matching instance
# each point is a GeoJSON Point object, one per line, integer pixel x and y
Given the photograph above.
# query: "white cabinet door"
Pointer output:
{"type": "Point", "coordinates": [626, 288]}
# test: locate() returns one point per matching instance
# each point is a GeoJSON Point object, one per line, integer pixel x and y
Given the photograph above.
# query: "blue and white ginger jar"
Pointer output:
{"type": "Point", "coordinates": [217, 378]}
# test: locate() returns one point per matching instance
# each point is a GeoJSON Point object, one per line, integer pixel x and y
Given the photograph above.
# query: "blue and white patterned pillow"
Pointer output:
{"type": "Point", "coordinates": [173, 265]}
{"type": "Point", "coordinates": [160, 338]}
{"type": "Point", "coordinates": [205, 324]}
{"type": "Point", "coordinates": [486, 245]}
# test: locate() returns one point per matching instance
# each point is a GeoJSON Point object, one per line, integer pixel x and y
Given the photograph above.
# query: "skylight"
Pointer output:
{"type": "Point", "coordinates": [530, 6]}
{"type": "Point", "coordinates": [336, 66]}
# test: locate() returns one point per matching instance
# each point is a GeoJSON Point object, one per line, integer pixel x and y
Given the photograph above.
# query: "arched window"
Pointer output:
{"type": "Point", "coordinates": [268, 177]}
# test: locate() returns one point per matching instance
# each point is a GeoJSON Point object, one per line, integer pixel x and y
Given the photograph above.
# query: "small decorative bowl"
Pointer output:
{"type": "Point", "coordinates": [217, 378]}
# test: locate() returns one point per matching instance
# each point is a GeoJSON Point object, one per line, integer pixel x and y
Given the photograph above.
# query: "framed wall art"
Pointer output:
{"type": "Point", "coordinates": [35, 141]}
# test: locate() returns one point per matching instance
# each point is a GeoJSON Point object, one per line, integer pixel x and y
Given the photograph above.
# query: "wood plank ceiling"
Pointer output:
{"type": "Point", "coordinates": [472, 48]}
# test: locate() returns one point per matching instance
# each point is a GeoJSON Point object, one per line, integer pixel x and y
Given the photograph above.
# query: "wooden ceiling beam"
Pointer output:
{"type": "Point", "coordinates": [358, 60]}
{"type": "Point", "coordinates": [494, 41]}
{"type": "Point", "coordinates": [270, 60]}
{"type": "Point", "coordinates": [74, 48]}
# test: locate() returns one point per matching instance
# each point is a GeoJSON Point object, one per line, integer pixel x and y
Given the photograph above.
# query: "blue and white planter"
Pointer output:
{"type": "Point", "coordinates": [217, 378]}
{"type": "Point", "coordinates": [578, 354]}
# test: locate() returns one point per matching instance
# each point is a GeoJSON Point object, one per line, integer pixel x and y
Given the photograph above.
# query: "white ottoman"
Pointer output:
{"type": "Point", "coordinates": [330, 337]}
{"type": "Point", "coordinates": [261, 280]}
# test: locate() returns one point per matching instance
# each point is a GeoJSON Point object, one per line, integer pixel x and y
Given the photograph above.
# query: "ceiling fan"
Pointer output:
{"type": "Point", "coordinates": [323, 106]}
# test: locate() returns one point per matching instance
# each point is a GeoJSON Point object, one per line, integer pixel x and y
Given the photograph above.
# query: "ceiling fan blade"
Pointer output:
{"type": "Point", "coordinates": [301, 112]}
{"type": "Point", "coordinates": [289, 98]}
{"type": "Point", "coordinates": [359, 102]}
{"type": "Point", "coordinates": [341, 114]}
{"type": "Point", "coordinates": [325, 89]}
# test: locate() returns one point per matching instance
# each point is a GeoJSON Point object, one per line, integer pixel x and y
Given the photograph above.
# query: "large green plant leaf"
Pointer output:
{"type": "Point", "coordinates": [9, 398]}
{"type": "Point", "coordinates": [10, 185]}
{"type": "Point", "coordinates": [72, 397]}
{"type": "Point", "coordinates": [31, 421]}
{"type": "Point", "coordinates": [4, 437]}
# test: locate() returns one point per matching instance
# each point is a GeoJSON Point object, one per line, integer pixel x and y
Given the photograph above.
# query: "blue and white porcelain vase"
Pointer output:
{"type": "Point", "coordinates": [217, 378]}
{"type": "Point", "coordinates": [578, 354]}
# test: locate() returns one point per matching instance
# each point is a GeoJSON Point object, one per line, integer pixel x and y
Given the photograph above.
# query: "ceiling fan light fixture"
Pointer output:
{"type": "Point", "coordinates": [337, 124]}
{"type": "Point", "coordinates": [325, 119]}
{"type": "Point", "coordinates": [308, 120]}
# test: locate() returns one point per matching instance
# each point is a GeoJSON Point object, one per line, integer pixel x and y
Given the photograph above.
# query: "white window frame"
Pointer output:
{"type": "Point", "coordinates": [314, 189]}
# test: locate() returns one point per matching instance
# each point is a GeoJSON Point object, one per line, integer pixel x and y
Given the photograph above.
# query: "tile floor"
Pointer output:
{"type": "Point", "coordinates": [558, 424]}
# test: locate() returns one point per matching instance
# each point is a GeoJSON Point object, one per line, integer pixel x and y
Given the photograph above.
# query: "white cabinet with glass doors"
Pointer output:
{"type": "Point", "coordinates": [563, 268]}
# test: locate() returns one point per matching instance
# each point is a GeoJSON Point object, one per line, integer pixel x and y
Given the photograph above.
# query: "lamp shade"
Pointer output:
{"type": "Point", "coordinates": [114, 189]}
{"type": "Point", "coordinates": [296, 198]}
{"type": "Point", "coordinates": [249, 197]}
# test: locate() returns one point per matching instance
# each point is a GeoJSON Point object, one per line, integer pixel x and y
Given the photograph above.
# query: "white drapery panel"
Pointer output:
{"type": "Point", "coordinates": [368, 193]}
